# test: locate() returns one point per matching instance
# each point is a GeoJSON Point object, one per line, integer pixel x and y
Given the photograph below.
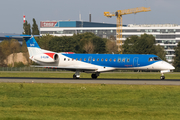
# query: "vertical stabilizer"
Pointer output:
{"type": "Point", "coordinates": [33, 47]}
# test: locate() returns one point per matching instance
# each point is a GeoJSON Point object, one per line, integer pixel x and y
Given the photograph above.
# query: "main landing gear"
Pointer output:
{"type": "Point", "coordinates": [94, 75]}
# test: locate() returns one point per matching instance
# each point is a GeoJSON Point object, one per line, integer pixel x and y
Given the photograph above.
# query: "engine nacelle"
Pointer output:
{"type": "Point", "coordinates": [48, 58]}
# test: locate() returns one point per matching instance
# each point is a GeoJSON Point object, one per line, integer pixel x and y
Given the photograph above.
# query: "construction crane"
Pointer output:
{"type": "Point", "coordinates": [119, 14]}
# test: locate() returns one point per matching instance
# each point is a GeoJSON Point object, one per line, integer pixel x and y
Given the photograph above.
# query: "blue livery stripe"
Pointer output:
{"type": "Point", "coordinates": [114, 60]}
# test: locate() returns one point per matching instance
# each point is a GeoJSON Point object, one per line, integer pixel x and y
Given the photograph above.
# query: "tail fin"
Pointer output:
{"type": "Point", "coordinates": [32, 45]}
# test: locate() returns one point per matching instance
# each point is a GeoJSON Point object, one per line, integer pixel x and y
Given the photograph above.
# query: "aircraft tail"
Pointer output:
{"type": "Point", "coordinates": [32, 45]}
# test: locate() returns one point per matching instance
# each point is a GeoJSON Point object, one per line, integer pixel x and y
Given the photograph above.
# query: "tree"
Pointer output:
{"type": "Point", "coordinates": [176, 62]}
{"type": "Point", "coordinates": [4, 45]}
{"type": "Point", "coordinates": [129, 45]}
{"type": "Point", "coordinates": [27, 28]}
{"type": "Point", "coordinates": [15, 48]}
{"type": "Point", "coordinates": [24, 50]}
{"type": "Point", "coordinates": [35, 30]}
{"type": "Point", "coordinates": [43, 41]}
{"type": "Point", "coordinates": [62, 44]}
{"type": "Point", "coordinates": [145, 44]}
{"type": "Point", "coordinates": [160, 52]}
{"type": "Point", "coordinates": [2, 57]}
{"type": "Point", "coordinates": [100, 44]}
{"type": "Point", "coordinates": [111, 47]}
{"type": "Point", "coordinates": [89, 47]}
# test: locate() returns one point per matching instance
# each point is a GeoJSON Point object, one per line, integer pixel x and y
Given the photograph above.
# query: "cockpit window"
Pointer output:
{"type": "Point", "coordinates": [154, 58]}
{"type": "Point", "coordinates": [150, 59]}
{"type": "Point", "coordinates": [157, 58]}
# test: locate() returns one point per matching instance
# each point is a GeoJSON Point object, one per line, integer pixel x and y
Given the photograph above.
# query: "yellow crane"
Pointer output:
{"type": "Point", "coordinates": [119, 14]}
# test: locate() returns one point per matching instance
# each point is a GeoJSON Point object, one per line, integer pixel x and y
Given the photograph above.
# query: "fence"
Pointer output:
{"type": "Point", "coordinates": [27, 69]}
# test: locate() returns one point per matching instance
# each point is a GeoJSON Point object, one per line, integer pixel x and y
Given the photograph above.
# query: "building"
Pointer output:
{"type": "Point", "coordinates": [166, 35]}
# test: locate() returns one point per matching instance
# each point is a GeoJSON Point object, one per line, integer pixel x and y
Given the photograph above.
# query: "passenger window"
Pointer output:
{"type": "Point", "coordinates": [84, 59]}
{"type": "Point", "coordinates": [110, 60]}
{"type": "Point", "coordinates": [127, 60]}
{"type": "Point", "coordinates": [106, 59]}
{"type": "Point", "coordinates": [89, 59]}
{"type": "Point", "coordinates": [72, 59]}
{"type": "Point", "coordinates": [102, 59]}
{"type": "Point", "coordinates": [150, 59]}
{"type": "Point", "coordinates": [119, 60]}
{"type": "Point", "coordinates": [114, 60]}
{"type": "Point", "coordinates": [68, 59]}
{"type": "Point", "coordinates": [98, 59]}
{"type": "Point", "coordinates": [64, 59]}
{"type": "Point", "coordinates": [76, 59]}
{"type": "Point", "coordinates": [123, 60]}
{"type": "Point", "coordinates": [93, 59]}
{"type": "Point", "coordinates": [80, 59]}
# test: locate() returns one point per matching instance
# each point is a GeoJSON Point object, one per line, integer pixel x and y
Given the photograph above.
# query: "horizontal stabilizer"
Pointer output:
{"type": "Point", "coordinates": [24, 36]}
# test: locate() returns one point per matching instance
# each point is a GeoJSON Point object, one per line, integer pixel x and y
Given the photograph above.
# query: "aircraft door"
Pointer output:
{"type": "Point", "coordinates": [90, 60]}
{"type": "Point", "coordinates": [135, 62]}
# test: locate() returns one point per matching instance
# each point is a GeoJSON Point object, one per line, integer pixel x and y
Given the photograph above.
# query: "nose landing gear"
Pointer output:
{"type": "Point", "coordinates": [162, 77]}
{"type": "Point", "coordinates": [76, 75]}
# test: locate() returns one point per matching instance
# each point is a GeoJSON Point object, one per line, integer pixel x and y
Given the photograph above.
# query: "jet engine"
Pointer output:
{"type": "Point", "coordinates": [47, 58]}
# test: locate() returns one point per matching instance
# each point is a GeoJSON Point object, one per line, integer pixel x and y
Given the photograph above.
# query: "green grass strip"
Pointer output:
{"type": "Point", "coordinates": [29, 101]}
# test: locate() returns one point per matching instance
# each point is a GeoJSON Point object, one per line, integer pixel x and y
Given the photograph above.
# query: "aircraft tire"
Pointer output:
{"type": "Point", "coordinates": [162, 77]}
{"type": "Point", "coordinates": [94, 76]}
{"type": "Point", "coordinates": [74, 76]}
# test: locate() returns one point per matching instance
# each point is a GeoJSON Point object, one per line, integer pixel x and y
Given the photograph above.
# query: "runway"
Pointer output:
{"type": "Point", "coordinates": [90, 81]}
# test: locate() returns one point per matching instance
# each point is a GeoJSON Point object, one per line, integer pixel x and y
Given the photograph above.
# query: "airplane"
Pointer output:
{"type": "Point", "coordinates": [93, 63]}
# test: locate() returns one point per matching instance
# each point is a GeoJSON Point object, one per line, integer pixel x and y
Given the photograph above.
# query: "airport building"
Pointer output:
{"type": "Point", "coordinates": [166, 35]}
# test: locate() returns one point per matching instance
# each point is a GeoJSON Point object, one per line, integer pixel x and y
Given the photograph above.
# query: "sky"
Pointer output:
{"type": "Point", "coordinates": [12, 11]}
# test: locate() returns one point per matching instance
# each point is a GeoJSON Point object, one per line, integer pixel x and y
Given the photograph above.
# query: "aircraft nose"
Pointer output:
{"type": "Point", "coordinates": [172, 67]}
{"type": "Point", "coordinates": [168, 66]}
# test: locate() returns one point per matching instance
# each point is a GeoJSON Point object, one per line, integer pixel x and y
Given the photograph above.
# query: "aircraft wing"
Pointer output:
{"type": "Point", "coordinates": [73, 68]}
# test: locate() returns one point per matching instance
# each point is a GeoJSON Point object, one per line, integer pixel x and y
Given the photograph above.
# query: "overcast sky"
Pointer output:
{"type": "Point", "coordinates": [11, 11]}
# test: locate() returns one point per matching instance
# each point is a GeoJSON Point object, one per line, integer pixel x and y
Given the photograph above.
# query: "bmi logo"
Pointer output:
{"type": "Point", "coordinates": [32, 45]}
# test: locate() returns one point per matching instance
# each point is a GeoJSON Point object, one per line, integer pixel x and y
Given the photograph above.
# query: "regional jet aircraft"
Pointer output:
{"type": "Point", "coordinates": [93, 63]}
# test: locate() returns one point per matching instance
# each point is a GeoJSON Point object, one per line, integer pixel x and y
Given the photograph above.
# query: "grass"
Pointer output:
{"type": "Point", "coordinates": [109, 75]}
{"type": "Point", "coordinates": [29, 101]}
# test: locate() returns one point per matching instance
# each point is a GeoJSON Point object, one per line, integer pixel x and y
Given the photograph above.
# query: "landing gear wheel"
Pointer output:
{"type": "Point", "coordinates": [162, 77]}
{"type": "Point", "coordinates": [93, 76]}
{"type": "Point", "coordinates": [75, 77]}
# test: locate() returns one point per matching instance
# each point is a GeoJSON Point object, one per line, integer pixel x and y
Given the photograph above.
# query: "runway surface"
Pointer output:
{"type": "Point", "coordinates": [91, 81]}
